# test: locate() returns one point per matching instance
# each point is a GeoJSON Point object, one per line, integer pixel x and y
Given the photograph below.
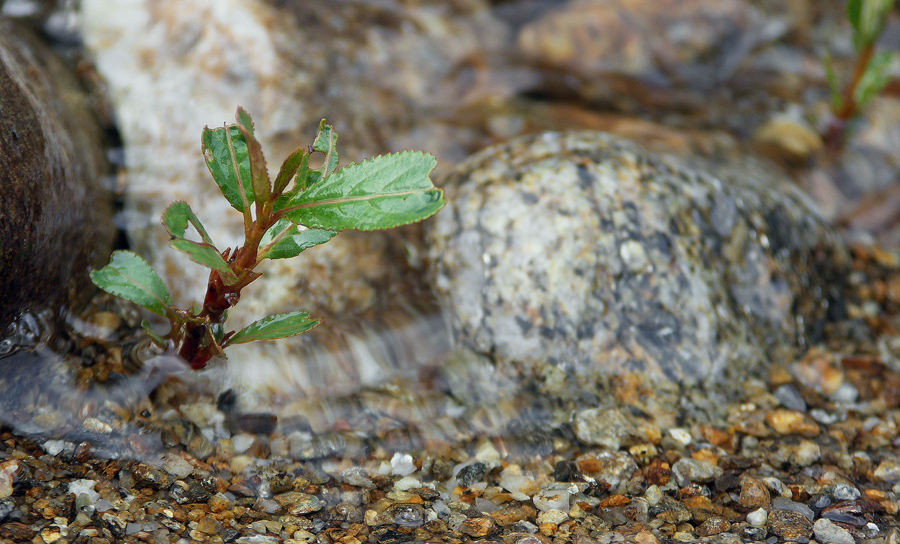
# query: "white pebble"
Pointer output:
{"type": "Point", "coordinates": [84, 487]}
{"type": "Point", "coordinates": [757, 518]}
{"type": "Point", "coordinates": [406, 483]}
{"type": "Point", "coordinates": [553, 497]}
{"type": "Point", "coordinates": [681, 435]}
{"type": "Point", "coordinates": [402, 464]}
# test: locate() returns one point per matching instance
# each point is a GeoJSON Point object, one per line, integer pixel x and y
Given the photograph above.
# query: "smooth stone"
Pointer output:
{"type": "Point", "coordinates": [535, 260]}
{"type": "Point", "coordinates": [56, 222]}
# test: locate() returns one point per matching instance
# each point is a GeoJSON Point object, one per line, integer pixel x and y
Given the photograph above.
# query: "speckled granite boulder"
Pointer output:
{"type": "Point", "coordinates": [55, 216]}
{"type": "Point", "coordinates": [584, 253]}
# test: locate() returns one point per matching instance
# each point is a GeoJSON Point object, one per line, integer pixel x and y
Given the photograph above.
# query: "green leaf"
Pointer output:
{"type": "Point", "coordinates": [275, 326]}
{"type": "Point", "coordinates": [868, 18]}
{"type": "Point", "coordinates": [379, 193]}
{"type": "Point", "coordinates": [259, 176]}
{"type": "Point", "coordinates": [326, 142]}
{"type": "Point", "coordinates": [854, 12]}
{"type": "Point", "coordinates": [292, 166]}
{"type": "Point", "coordinates": [157, 339]}
{"type": "Point", "coordinates": [130, 277]}
{"type": "Point", "coordinates": [875, 77]}
{"type": "Point", "coordinates": [293, 242]}
{"type": "Point", "coordinates": [175, 219]}
{"type": "Point", "coordinates": [206, 255]}
{"type": "Point", "coordinates": [228, 159]}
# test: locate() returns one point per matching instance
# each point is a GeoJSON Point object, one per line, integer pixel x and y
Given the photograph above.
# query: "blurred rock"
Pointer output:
{"type": "Point", "coordinates": [55, 214]}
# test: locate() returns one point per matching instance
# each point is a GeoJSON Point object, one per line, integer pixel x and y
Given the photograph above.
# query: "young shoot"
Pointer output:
{"type": "Point", "coordinates": [301, 208]}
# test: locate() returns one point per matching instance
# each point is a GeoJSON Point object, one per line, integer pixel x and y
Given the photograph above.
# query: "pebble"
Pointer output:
{"type": "Point", "coordinates": [608, 427]}
{"type": "Point", "coordinates": [687, 470]}
{"type": "Point", "coordinates": [888, 470]}
{"type": "Point", "coordinates": [828, 532]}
{"type": "Point", "coordinates": [713, 526]}
{"type": "Point", "coordinates": [790, 526]}
{"type": "Point", "coordinates": [306, 504]}
{"type": "Point", "coordinates": [754, 494]}
{"type": "Point", "coordinates": [477, 527]}
{"type": "Point", "coordinates": [758, 517]}
{"type": "Point", "coordinates": [783, 503]}
{"type": "Point", "coordinates": [402, 464]}
{"type": "Point", "coordinates": [784, 421]}
{"type": "Point", "coordinates": [553, 497]}
{"type": "Point", "coordinates": [356, 476]}
{"type": "Point", "coordinates": [613, 468]}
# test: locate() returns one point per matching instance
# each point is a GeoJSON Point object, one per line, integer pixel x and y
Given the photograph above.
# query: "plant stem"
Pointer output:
{"type": "Point", "coordinates": [849, 108]}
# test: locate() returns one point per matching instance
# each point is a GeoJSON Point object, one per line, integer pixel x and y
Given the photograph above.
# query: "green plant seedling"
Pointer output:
{"type": "Point", "coordinates": [301, 208]}
{"type": "Point", "coordinates": [870, 73]}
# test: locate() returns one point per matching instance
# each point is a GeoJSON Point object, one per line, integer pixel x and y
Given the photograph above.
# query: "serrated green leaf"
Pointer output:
{"type": "Point", "coordinates": [157, 339]}
{"type": "Point", "coordinates": [176, 218]}
{"type": "Point", "coordinates": [227, 157]}
{"type": "Point", "coordinates": [292, 166]}
{"type": "Point", "coordinates": [379, 193]}
{"type": "Point", "coordinates": [326, 142]}
{"type": "Point", "coordinates": [259, 176]}
{"type": "Point", "coordinates": [130, 277]}
{"type": "Point", "coordinates": [293, 242]}
{"type": "Point", "coordinates": [206, 255]}
{"type": "Point", "coordinates": [274, 327]}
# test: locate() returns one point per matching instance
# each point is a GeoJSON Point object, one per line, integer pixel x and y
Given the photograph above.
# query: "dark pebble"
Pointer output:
{"type": "Point", "coordinates": [471, 474]}
{"type": "Point", "coordinates": [151, 476]}
{"type": "Point", "coordinates": [789, 526]}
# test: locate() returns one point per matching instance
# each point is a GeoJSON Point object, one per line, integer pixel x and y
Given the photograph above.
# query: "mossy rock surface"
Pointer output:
{"type": "Point", "coordinates": [55, 216]}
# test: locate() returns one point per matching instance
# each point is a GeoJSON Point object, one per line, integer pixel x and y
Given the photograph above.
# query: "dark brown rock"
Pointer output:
{"type": "Point", "coordinates": [789, 526]}
{"type": "Point", "coordinates": [55, 216]}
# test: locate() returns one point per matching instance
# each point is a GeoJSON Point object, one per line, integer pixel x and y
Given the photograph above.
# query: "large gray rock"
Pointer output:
{"type": "Point", "coordinates": [583, 253]}
{"type": "Point", "coordinates": [55, 216]}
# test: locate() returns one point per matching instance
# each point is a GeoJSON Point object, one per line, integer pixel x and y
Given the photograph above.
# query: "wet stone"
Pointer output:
{"type": "Point", "coordinates": [612, 468]}
{"type": "Point", "coordinates": [687, 470]}
{"type": "Point", "coordinates": [670, 511]}
{"type": "Point", "coordinates": [407, 515]}
{"type": "Point", "coordinates": [888, 470]}
{"type": "Point", "coordinates": [151, 476]}
{"type": "Point", "coordinates": [713, 526]}
{"type": "Point", "coordinates": [754, 494]}
{"type": "Point", "coordinates": [828, 532]}
{"type": "Point", "coordinates": [527, 258]}
{"type": "Point", "coordinates": [471, 474]}
{"type": "Point", "coordinates": [477, 527]}
{"type": "Point", "coordinates": [789, 526]}
{"type": "Point", "coordinates": [306, 504]}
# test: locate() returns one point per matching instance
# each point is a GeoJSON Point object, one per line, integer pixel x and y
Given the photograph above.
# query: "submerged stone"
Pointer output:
{"type": "Point", "coordinates": [584, 255]}
{"type": "Point", "coordinates": [55, 216]}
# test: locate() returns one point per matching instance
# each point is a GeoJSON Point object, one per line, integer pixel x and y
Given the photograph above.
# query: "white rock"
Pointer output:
{"type": "Point", "coordinates": [85, 487]}
{"type": "Point", "coordinates": [757, 518]}
{"type": "Point", "coordinates": [553, 497]}
{"type": "Point", "coordinates": [402, 464]}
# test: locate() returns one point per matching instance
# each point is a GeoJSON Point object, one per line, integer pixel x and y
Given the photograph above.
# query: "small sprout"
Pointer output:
{"type": "Point", "coordinates": [870, 73]}
{"type": "Point", "coordinates": [302, 208]}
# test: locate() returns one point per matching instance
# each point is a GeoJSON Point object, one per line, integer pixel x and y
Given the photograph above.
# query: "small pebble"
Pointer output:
{"type": "Point", "coordinates": [828, 532]}
{"type": "Point", "coordinates": [758, 517]}
{"type": "Point", "coordinates": [687, 470]}
{"type": "Point", "coordinates": [789, 525]}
